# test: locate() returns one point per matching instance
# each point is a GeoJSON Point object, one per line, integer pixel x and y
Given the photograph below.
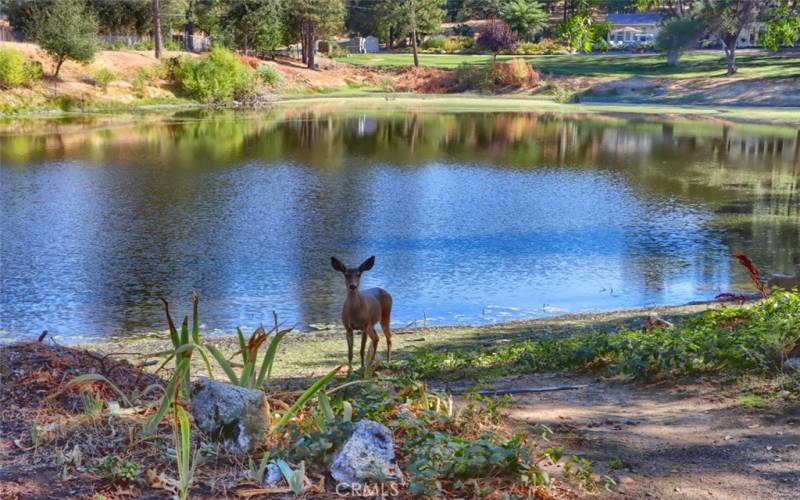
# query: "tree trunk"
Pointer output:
{"type": "Point", "coordinates": [188, 36]}
{"type": "Point", "coordinates": [390, 44]}
{"type": "Point", "coordinates": [303, 44]}
{"type": "Point", "coordinates": [312, 47]}
{"type": "Point", "coordinates": [414, 44]}
{"type": "Point", "coordinates": [157, 29]}
{"type": "Point", "coordinates": [672, 57]}
{"type": "Point", "coordinates": [730, 56]}
{"type": "Point", "coordinates": [59, 62]}
{"type": "Point", "coordinates": [566, 9]}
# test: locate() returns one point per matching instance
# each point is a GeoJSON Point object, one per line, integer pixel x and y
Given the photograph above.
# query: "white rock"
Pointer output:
{"type": "Point", "coordinates": [236, 416]}
{"type": "Point", "coordinates": [367, 455]}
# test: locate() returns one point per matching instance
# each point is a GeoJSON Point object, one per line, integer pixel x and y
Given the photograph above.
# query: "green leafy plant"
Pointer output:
{"type": "Point", "coordinates": [249, 377]}
{"type": "Point", "coordinates": [92, 403]}
{"type": "Point", "coordinates": [296, 478]}
{"type": "Point", "coordinates": [219, 76]}
{"type": "Point", "coordinates": [186, 461]}
{"type": "Point", "coordinates": [118, 470]}
{"type": "Point", "coordinates": [269, 74]}
{"type": "Point", "coordinates": [16, 70]}
{"type": "Point", "coordinates": [104, 77]}
{"type": "Point", "coordinates": [734, 339]}
{"type": "Point", "coordinates": [257, 471]}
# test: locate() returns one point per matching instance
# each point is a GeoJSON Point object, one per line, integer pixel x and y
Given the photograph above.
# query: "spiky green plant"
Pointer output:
{"type": "Point", "coordinates": [186, 461]}
{"type": "Point", "coordinates": [249, 349]}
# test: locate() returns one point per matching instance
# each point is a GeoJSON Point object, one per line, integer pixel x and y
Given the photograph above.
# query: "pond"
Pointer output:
{"type": "Point", "coordinates": [474, 217]}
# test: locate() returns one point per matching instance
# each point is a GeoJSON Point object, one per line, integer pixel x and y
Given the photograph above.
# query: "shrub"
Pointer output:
{"type": "Point", "coordinates": [456, 44]}
{"type": "Point", "coordinates": [269, 74]}
{"type": "Point", "coordinates": [337, 51]}
{"type": "Point", "coordinates": [513, 73]}
{"type": "Point", "coordinates": [16, 70]}
{"type": "Point", "coordinates": [544, 47]}
{"type": "Point", "coordinates": [435, 42]}
{"type": "Point", "coordinates": [149, 76]}
{"type": "Point", "coordinates": [220, 76]}
{"type": "Point", "coordinates": [104, 77]}
{"type": "Point", "coordinates": [564, 94]}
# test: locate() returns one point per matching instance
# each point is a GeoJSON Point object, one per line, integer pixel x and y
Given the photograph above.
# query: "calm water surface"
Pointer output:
{"type": "Point", "coordinates": [474, 217]}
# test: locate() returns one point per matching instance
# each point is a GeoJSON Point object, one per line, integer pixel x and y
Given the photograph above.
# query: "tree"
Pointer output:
{"type": "Point", "coordinates": [525, 17]}
{"type": "Point", "coordinates": [677, 35]}
{"type": "Point", "coordinates": [122, 16]}
{"type": "Point", "coordinates": [496, 37]}
{"type": "Point", "coordinates": [577, 32]}
{"type": "Point", "coordinates": [409, 18]}
{"type": "Point", "coordinates": [479, 9]}
{"type": "Point", "coordinates": [254, 24]}
{"type": "Point", "coordinates": [308, 20]}
{"type": "Point", "coordinates": [727, 18]}
{"type": "Point", "coordinates": [783, 27]}
{"type": "Point", "coordinates": [65, 29]}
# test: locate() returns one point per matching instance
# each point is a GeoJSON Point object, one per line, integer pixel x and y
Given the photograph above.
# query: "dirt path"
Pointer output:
{"type": "Point", "coordinates": [685, 441]}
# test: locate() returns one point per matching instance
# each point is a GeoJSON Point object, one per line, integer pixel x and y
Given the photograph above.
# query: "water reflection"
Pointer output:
{"type": "Point", "coordinates": [474, 217]}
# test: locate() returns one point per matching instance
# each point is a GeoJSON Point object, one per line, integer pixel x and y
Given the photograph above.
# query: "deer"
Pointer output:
{"type": "Point", "coordinates": [362, 309]}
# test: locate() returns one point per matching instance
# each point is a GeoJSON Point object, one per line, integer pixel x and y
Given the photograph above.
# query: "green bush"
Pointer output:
{"type": "Point", "coordinates": [459, 44]}
{"type": "Point", "coordinates": [541, 48]}
{"type": "Point", "coordinates": [434, 42]}
{"type": "Point", "coordinates": [219, 76]}
{"type": "Point", "coordinates": [16, 70]}
{"type": "Point", "coordinates": [269, 74]}
{"type": "Point", "coordinates": [103, 77]}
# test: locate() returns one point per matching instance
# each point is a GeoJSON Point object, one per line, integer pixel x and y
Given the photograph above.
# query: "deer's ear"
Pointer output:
{"type": "Point", "coordinates": [367, 264]}
{"type": "Point", "coordinates": [337, 265]}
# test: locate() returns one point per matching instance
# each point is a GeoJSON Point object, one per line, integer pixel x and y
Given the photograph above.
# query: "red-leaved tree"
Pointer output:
{"type": "Point", "coordinates": [496, 37]}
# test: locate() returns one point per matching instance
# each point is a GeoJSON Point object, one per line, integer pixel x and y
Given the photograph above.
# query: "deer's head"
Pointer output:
{"type": "Point", "coordinates": [352, 275]}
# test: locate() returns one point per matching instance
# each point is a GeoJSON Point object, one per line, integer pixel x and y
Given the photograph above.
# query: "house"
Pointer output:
{"type": "Point", "coordinates": [359, 45]}
{"type": "Point", "coordinates": [630, 29]}
{"type": "Point", "coordinates": [634, 28]}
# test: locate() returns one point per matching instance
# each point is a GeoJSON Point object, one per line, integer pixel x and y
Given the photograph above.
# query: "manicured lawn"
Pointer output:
{"type": "Point", "coordinates": [695, 64]}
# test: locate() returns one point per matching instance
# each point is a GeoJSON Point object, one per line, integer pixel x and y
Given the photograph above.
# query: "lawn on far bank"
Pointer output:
{"type": "Point", "coordinates": [699, 64]}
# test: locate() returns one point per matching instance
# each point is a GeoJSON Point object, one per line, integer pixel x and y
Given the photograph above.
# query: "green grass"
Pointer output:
{"type": "Point", "coordinates": [694, 64]}
{"type": "Point", "coordinates": [730, 340]}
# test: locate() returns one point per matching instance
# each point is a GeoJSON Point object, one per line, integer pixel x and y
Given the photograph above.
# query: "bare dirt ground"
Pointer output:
{"type": "Point", "coordinates": [665, 441]}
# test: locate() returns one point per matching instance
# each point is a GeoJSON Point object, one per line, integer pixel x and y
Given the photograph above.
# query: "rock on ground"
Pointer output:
{"type": "Point", "coordinates": [238, 417]}
{"type": "Point", "coordinates": [367, 455]}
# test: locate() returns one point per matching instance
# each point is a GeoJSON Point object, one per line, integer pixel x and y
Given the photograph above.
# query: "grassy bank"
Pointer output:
{"type": "Point", "coordinates": [304, 355]}
{"type": "Point", "coordinates": [545, 104]}
{"type": "Point", "coordinates": [700, 64]}
{"type": "Point", "coordinates": [376, 99]}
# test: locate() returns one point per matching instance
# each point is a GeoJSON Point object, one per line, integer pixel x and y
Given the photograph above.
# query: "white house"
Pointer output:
{"type": "Point", "coordinates": [634, 28]}
{"type": "Point", "coordinates": [644, 26]}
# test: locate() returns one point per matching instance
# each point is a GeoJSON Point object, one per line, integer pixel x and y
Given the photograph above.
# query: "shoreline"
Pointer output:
{"type": "Point", "coordinates": [303, 355]}
{"type": "Point", "coordinates": [464, 102]}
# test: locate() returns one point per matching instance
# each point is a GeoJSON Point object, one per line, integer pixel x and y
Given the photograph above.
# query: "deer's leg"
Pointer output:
{"type": "Point", "coordinates": [349, 335]}
{"type": "Point", "coordinates": [363, 343]}
{"type": "Point", "coordinates": [373, 335]}
{"type": "Point", "coordinates": [387, 332]}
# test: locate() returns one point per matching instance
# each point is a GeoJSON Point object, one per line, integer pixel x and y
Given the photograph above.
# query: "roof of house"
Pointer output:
{"type": "Point", "coordinates": [637, 18]}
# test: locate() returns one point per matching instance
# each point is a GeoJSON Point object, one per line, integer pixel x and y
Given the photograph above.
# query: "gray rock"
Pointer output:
{"type": "Point", "coordinates": [272, 475]}
{"type": "Point", "coordinates": [367, 455]}
{"type": "Point", "coordinates": [236, 416]}
{"type": "Point", "coordinates": [792, 364]}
